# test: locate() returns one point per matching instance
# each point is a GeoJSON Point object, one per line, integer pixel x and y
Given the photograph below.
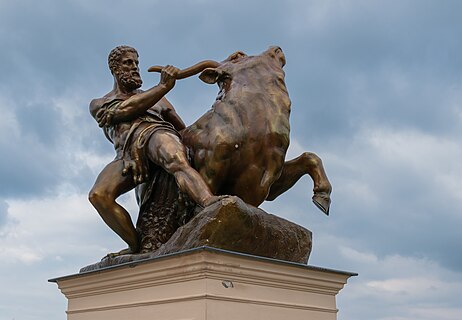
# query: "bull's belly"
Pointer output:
{"type": "Point", "coordinates": [246, 171]}
{"type": "Point", "coordinates": [238, 160]}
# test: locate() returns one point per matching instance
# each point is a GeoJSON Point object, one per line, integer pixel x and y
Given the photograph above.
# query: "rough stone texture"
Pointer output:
{"type": "Point", "coordinates": [232, 225]}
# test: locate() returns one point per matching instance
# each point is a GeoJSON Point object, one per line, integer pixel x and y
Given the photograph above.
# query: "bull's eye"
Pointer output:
{"type": "Point", "coordinates": [225, 81]}
{"type": "Point", "coordinates": [224, 76]}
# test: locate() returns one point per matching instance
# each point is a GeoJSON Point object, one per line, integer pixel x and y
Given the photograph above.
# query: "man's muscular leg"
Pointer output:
{"type": "Point", "coordinates": [166, 150]}
{"type": "Point", "coordinates": [109, 185]}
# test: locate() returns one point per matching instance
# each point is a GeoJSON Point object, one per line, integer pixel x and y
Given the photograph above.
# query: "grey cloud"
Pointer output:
{"type": "Point", "coordinates": [3, 212]}
{"type": "Point", "coordinates": [41, 121]}
{"type": "Point", "coordinates": [409, 214]}
{"type": "Point", "coordinates": [27, 168]}
{"type": "Point", "coordinates": [43, 155]}
{"type": "Point", "coordinates": [352, 61]}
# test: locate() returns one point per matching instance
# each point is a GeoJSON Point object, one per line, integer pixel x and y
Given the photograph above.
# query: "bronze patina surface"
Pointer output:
{"type": "Point", "coordinates": [237, 148]}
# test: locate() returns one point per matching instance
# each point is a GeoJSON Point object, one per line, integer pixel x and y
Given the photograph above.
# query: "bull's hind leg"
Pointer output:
{"type": "Point", "coordinates": [293, 170]}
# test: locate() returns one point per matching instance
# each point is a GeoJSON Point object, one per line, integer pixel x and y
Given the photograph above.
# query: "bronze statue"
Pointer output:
{"type": "Point", "coordinates": [237, 148]}
{"type": "Point", "coordinates": [143, 126]}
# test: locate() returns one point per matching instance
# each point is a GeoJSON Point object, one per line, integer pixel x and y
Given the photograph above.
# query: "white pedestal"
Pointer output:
{"type": "Point", "coordinates": [204, 284]}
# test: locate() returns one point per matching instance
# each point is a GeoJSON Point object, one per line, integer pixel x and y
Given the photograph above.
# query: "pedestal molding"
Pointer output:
{"type": "Point", "coordinates": [140, 278]}
{"type": "Point", "coordinates": [204, 284]}
{"type": "Point", "coordinates": [206, 297]}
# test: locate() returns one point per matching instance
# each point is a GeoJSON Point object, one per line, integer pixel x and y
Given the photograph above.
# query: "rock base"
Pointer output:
{"type": "Point", "coordinates": [233, 225]}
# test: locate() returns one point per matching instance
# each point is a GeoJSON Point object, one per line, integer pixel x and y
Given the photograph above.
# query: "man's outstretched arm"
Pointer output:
{"type": "Point", "coordinates": [139, 103]}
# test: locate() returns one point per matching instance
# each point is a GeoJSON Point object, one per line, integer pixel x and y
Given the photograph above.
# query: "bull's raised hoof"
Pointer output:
{"type": "Point", "coordinates": [322, 201]}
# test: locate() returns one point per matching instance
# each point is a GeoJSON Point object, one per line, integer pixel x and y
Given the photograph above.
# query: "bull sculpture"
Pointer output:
{"type": "Point", "coordinates": [238, 146]}
{"type": "Point", "coordinates": [249, 123]}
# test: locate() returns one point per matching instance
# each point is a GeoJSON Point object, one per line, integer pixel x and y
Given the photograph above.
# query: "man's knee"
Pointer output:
{"type": "Point", "coordinates": [175, 162]}
{"type": "Point", "coordinates": [98, 197]}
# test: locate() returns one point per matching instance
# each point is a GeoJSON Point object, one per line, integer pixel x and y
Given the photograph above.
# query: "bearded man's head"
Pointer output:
{"type": "Point", "coordinates": [128, 75]}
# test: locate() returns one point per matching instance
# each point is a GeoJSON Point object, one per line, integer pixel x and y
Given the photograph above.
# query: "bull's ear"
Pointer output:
{"type": "Point", "coordinates": [209, 75]}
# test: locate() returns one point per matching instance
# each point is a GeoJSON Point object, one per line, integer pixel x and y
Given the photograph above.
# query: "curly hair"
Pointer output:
{"type": "Point", "coordinates": [114, 56]}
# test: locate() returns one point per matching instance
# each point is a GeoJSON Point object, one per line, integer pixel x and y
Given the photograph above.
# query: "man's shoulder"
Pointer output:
{"type": "Point", "coordinates": [111, 96]}
{"type": "Point", "coordinates": [97, 103]}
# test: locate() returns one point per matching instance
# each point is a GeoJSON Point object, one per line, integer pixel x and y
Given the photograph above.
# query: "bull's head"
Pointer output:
{"type": "Point", "coordinates": [238, 64]}
{"type": "Point", "coordinates": [273, 58]}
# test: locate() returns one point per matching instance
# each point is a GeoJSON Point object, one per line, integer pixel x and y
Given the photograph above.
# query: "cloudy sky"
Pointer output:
{"type": "Point", "coordinates": [376, 90]}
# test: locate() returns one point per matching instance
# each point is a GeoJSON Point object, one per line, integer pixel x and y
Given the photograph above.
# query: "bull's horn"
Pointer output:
{"type": "Point", "coordinates": [188, 72]}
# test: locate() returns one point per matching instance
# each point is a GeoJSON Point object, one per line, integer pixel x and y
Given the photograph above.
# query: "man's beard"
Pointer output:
{"type": "Point", "coordinates": [130, 81]}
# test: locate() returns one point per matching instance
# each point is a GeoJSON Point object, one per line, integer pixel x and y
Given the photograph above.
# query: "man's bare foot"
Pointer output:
{"type": "Point", "coordinates": [212, 200]}
{"type": "Point", "coordinates": [116, 254]}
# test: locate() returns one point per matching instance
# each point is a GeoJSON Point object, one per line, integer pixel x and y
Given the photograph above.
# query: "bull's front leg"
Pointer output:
{"type": "Point", "coordinates": [293, 170]}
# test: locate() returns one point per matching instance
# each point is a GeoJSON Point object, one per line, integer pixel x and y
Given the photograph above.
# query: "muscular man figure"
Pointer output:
{"type": "Point", "coordinates": [143, 126]}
